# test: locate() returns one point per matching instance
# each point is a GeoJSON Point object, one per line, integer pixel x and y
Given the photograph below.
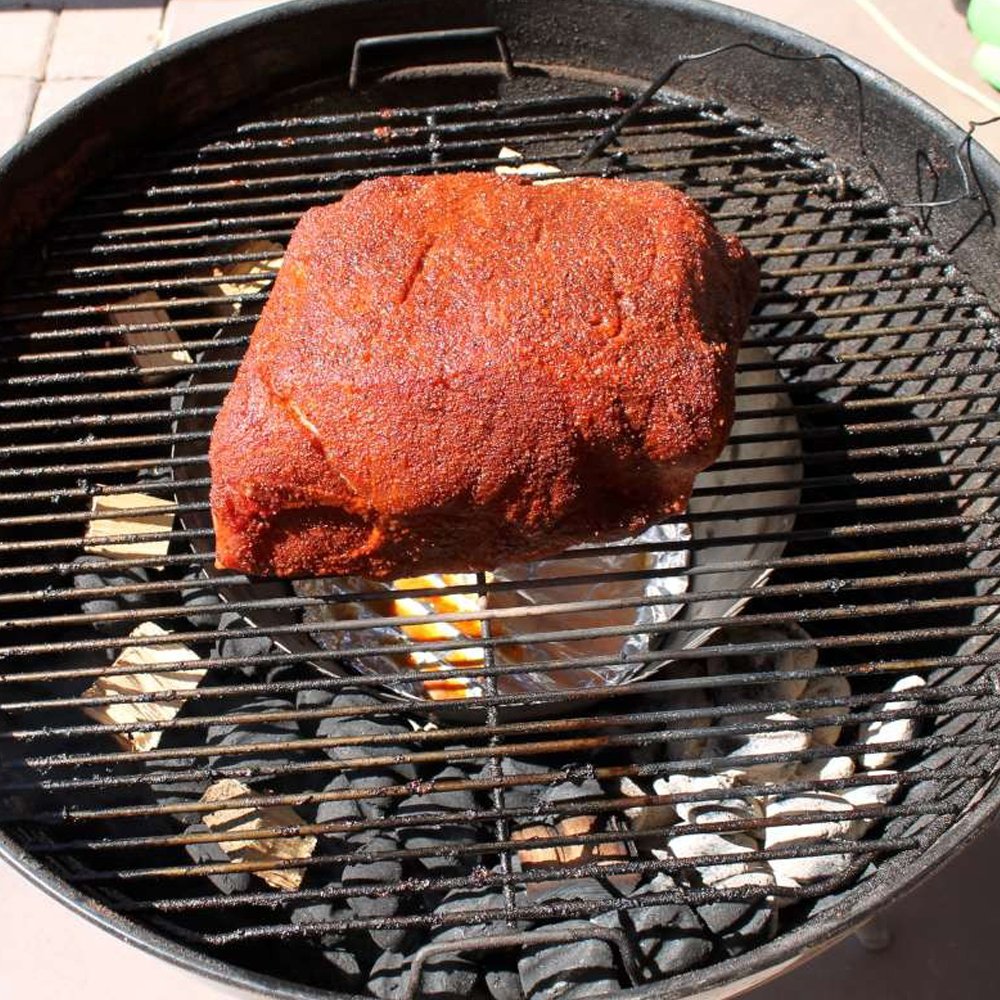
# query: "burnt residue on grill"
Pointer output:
{"type": "Point", "coordinates": [620, 836]}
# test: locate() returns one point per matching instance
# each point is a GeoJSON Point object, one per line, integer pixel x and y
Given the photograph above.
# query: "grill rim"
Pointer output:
{"type": "Point", "coordinates": [896, 876]}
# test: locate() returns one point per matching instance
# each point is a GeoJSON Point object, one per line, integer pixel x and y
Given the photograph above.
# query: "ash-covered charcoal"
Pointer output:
{"type": "Point", "coordinates": [788, 743]}
{"type": "Point", "coordinates": [201, 598]}
{"type": "Point", "coordinates": [444, 834]}
{"type": "Point", "coordinates": [388, 977]}
{"type": "Point", "coordinates": [263, 730]}
{"type": "Point", "coordinates": [893, 730]}
{"type": "Point", "coordinates": [501, 978]}
{"type": "Point", "coordinates": [243, 647]}
{"type": "Point", "coordinates": [212, 854]}
{"type": "Point", "coordinates": [799, 871]}
{"type": "Point", "coordinates": [342, 810]}
{"type": "Point", "coordinates": [373, 882]}
{"type": "Point", "coordinates": [386, 726]}
{"type": "Point", "coordinates": [669, 936]}
{"type": "Point", "coordinates": [457, 973]}
{"type": "Point", "coordinates": [581, 966]}
{"type": "Point", "coordinates": [89, 579]}
{"type": "Point", "coordinates": [312, 698]}
{"type": "Point", "coordinates": [337, 949]}
{"type": "Point", "coordinates": [833, 688]}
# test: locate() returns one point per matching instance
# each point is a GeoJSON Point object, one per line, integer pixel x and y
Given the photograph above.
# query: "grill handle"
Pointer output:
{"type": "Point", "coordinates": [449, 36]}
{"type": "Point", "coordinates": [524, 939]}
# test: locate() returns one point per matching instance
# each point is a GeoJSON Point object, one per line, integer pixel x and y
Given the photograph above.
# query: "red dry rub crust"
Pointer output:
{"type": "Point", "coordinates": [458, 371]}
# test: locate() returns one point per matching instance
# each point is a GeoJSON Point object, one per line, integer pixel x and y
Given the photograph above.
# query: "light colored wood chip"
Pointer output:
{"type": "Point", "coordinates": [534, 857]}
{"type": "Point", "coordinates": [523, 169]}
{"type": "Point", "coordinates": [124, 685]}
{"type": "Point", "coordinates": [113, 515]}
{"type": "Point", "coordinates": [149, 362]}
{"type": "Point", "coordinates": [272, 255]}
{"type": "Point", "coordinates": [565, 854]}
{"type": "Point", "coordinates": [251, 819]}
{"type": "Point", "coordinates": [527, 170]}
{"type": "Point", "coordinates": [580, 826]}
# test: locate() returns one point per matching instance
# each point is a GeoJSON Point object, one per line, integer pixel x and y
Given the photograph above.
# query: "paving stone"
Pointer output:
{"type": "Point", "coordinates": [99, 40]}
{"type": "Point", "coordinates": [187, 17]}
{"type": "Point", "coordinates": [17, 95]}
{"type": "Point", "coordinates": [25, 36]}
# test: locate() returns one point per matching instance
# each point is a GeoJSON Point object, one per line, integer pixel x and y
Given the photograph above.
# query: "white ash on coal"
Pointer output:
{"type": "Point", "coordinates": [776, 785]}
{"type": "Point", "coordinates": [887, 731]}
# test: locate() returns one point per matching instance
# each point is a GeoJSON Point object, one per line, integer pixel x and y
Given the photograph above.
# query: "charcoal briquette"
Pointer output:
{"type": "Point", "coordinates": [369, 879]}
{"type": "Point", "coordinates": [335, 948]}
{"type": "Point", "coordinates": [572, 969]}
{"type": "Point", "coordinates": [503, 983]}
{"type": "Point", "coordinates": [453, 975]}
{"type": "Point", "coordinates": [739, 932]}
{"type": "Point", "coordinates": [235, 734]}
{"type": "Point", "coordinates": [312, 698]}
{"type": "Point", "coordinates": [338, 810]}
{"type": "Point", "coordinates": [212, 854]}
{"type": "Point", "coordinates": [387, 978]}
{"type": "Point", "coordinates": [669, 936]}
{"type": "Point", "coordinates": [437, 799]}
{"type": "Point", "coordinates": [524, 796]}
{"type": "Point", "coordinates": [202, 601]}
{"type": "Point", "coordinates": [360, 776]}
{"type": "Point", "coordinates": [126, 601]}
{"type": "Point", "coordinates": [568, 791]}
{"type": "Point", "coordinates": [247, 647]}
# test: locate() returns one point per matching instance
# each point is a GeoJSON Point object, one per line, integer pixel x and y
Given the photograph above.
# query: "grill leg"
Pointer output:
{"type": "Point", "coordinates": [874, 935]}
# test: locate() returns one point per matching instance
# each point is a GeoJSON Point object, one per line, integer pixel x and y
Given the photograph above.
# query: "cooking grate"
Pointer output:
{"type": "Point", "coordinates": [427, 826]}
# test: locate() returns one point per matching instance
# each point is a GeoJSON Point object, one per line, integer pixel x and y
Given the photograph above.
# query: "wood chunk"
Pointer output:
{"type": "Point", "coordinates": [114, 517]}
{"type": "Point", "coordinates": [535, 857]}
{"type": "Point", "coordinates": [566, 854]}
{"type": "Point", "coordinates": [266, 268]}
{"type": "Point", "coordinates": [117, 685]}
{"type": "Point", "coordinates": [579, 826]}
{"type": "Point", "coordinates": [251, 819]}
{"type": "Point", "coordinates": [173, 353]}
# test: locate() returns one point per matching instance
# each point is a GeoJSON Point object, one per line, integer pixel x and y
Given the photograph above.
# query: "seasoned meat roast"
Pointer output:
{"type": "Point", "coordinates": [458, 371]}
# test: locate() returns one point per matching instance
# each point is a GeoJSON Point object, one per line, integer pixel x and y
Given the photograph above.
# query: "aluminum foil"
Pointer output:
{"type": "Point", "coordinates": [764, 448]}
{"type": "Point", "coordinates": [526, 611]}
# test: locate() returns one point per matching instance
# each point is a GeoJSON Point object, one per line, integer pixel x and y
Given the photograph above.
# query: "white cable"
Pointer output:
{"type": "Point", "coordinates": [924, 60]}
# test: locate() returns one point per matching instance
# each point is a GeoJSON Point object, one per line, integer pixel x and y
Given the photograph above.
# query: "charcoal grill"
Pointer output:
{"type": "Point", "coordinates": [872, 219]}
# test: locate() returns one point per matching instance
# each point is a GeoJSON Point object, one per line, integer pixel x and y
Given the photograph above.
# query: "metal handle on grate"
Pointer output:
{"type": "Point", "coordinates": [525, 939]}
{"type": "Point", "coordinates": [422, 38]}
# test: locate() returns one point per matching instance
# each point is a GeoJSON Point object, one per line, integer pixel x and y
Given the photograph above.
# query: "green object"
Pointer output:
{"type": "Point", "coordinates": [984, 23]}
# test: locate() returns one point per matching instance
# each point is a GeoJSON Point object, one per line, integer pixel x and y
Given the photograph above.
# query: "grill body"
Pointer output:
{"type": "Point", "coordinates": [878, 319]}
